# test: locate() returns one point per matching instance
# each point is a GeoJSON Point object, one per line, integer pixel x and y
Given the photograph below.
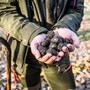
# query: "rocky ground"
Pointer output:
{"type": "Point", "coordinates": [80, 59]}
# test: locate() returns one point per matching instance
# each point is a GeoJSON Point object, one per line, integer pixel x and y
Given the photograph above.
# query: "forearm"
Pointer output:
{"type": "Point", "coordinates": [73, 17]}
{"type": "Point", "coordinates": [18, 26]}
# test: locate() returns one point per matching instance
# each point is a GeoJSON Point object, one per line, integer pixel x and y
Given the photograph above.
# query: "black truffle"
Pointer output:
{"type": "Point", "coordinates": [50, 34]}
{"type": "Point", "coordinates": [55, 39]}
{"type": "Point", "coordinates": [52, 51]}
{"type": "Point", "coordinates": [42, 50]}
{"type": "Point", "coordinates": [46, 42]}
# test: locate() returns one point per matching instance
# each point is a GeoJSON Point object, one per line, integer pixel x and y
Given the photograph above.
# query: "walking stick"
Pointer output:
{"type": "Point", "coordinates": [8, 65]}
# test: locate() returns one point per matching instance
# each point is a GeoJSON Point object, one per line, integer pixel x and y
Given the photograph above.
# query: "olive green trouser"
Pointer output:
{"type": "Point", "coordinates": [57, 81]}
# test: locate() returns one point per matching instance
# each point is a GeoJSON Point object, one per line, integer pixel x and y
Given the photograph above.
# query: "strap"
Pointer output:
{"type": "Point", "coordinates": [74, 5]}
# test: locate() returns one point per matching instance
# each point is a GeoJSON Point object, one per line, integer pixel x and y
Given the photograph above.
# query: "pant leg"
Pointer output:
{"type": "Point", "coordinates": [31, 78]}
{"type": "Point", "coordinates": [59, 81]}
{"type": "Point", "coordinates": [36, 87]}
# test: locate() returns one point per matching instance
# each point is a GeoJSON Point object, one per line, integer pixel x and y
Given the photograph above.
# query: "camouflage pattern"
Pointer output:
{"type": "Point", "coordinates": [24, 19]}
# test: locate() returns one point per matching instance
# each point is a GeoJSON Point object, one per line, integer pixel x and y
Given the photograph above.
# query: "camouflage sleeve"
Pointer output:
{"type": "Point", "coordinates": [16, 25]}
{"type": "Point", "coordinates": [73, 16]}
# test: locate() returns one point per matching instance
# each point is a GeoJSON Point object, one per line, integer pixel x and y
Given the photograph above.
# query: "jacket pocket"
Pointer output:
{"type": "Point", "coordinates": [18, 54]}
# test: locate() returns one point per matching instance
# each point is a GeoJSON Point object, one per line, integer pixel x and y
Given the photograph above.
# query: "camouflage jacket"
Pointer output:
{"type": "Point", "coordinates": [24, 19]}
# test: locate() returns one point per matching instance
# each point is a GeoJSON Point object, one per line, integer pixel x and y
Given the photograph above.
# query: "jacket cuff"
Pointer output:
{"type": "Point", "coordinates": [30, 31]}
{"type": "Point", "coordinates": [37, 31]}
{"type": "Point", "coordinates": [64, 25]}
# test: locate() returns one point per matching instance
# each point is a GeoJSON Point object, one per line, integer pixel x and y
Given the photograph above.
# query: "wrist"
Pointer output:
{"type": "Point", "coordinates": [57, 27]}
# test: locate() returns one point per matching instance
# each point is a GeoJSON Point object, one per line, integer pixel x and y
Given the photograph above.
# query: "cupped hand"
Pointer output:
{"type": "Point", "coordinates": [67, 33]}
{"type": "Point", "coordinates": [35, 43]}
{"type": "Point", "coordinates": [48, 58]}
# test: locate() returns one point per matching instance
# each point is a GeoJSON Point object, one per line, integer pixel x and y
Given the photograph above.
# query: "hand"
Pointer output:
{"type": "Point", "coordinates": [67, 33]}
{"type": "Point", "coordinates": [35, 43]}
{"type": "Point", "coordinates": [48, 58]}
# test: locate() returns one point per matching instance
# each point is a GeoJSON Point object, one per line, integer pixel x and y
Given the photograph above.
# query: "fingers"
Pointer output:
{"type": "Point", "coordinates": [45, 57]}
{"type": "Point", "coordinates": [58, 58]}
{"type": "Point", "coordinates": [75, 39]}
{"type": "Point", "coordinates": [61, 54]}
{"type": "Point", "coordinates": [65, 49]}
{"type": "Point", "coordinates": [71, 48]}
{"type": "Point", "coordinates": [51, 60]}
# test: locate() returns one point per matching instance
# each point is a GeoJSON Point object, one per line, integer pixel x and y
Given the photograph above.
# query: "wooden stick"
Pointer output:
{"type": "Point", "coordinates": [8, 67]}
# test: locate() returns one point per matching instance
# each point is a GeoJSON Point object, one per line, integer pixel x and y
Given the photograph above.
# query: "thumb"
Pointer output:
{"type": "Point", "coordinates": [35, 51]}
{"type": "Point", "coordinates": [76, 40]}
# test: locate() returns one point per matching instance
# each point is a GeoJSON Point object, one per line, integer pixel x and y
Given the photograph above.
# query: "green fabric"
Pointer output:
{"type": "Point", "coordinates": [30, 76]}
{"type": "Point", "coordinates": [72, 17]}
{"type": "Point", "coordinates": [14, 19]}
{"type": "Point", "coordinates": [17, 25]}
{"type": "Point", "coordinates": [4, 1]}
{"type": "Point", "coordinates": [58, 81]}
